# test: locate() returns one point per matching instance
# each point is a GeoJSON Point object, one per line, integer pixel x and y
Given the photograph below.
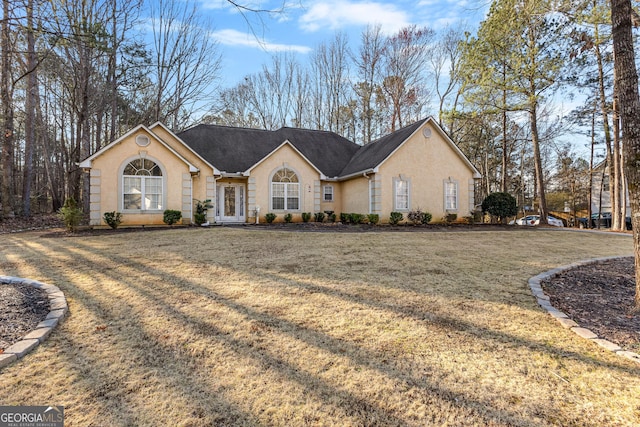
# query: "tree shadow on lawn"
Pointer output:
{"type": "Point", "coordinates": [109, 393]}
{"type": "Point", "coordinates": [345, 401]}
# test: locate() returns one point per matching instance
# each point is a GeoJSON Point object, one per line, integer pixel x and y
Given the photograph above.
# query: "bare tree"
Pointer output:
{"type": "Point", "coordinates": [330, 69]}
{"type": "Point", "coordinates": [445, 67]}
{"type": "Point", "coordinates": [6, 97]}
{"type": "Point", "coordinates": [185, 62]}
{"type": "Point", "coordinates": [368, 64]}
{"type": "Point", "coordinates": [30, 112]}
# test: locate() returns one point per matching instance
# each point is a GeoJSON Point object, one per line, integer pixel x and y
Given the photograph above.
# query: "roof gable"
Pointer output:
{"type": "Point", "coordinates": [373, 154]}
{"type": "Point", "coordinates": [87, 163]}
{"type": "Point", "coordinates": [278, 148]}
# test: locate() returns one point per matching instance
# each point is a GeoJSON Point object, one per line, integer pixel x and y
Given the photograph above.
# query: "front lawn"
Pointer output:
{"type": "Point", "coordinates": [232, 326]}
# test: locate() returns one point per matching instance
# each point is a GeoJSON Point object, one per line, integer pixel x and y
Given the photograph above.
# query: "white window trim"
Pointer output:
{"type": "Point", "coordinates": [446, 184]}
{"type": "Point", "coordinates": [396, 180]}
{"type": "Point", "coordinates": [286, 186]}
{"type": "Point", "coordinates": [121, 187]}
{"type": "Point", "coordinates": [325, 194]}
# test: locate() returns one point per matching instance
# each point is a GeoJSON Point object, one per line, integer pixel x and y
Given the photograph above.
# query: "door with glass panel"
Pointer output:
{"type": "Point", "coordinates": [230, 206]}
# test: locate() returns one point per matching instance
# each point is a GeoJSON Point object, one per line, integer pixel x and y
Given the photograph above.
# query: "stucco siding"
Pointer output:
{"type": "Point", "coordinates": [426, 163]}
{"type": "Point", "coordinates": [287, 157]}
{"type": "Point", "coordinates": [355, 196]}
{"type": "Point", "coordinates": [334, 206]}
{"type": "Point", "coordinates": [110, 165]}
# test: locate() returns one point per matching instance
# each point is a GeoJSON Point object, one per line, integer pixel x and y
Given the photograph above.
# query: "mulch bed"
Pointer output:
{"type": "Point", "coordinates": [599, 297]}
{"type": "Point", "coordinates": [22, 307]}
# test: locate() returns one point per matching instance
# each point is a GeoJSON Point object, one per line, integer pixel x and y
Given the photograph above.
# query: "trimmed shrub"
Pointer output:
{"type": "Point", "coordinates": [306, 216]}
{"type": "Point", "coordinates": [113, 219]}
{"type": "Point", "coordinates": [356, 218]}
{"type": "Point", "coordinates": [318, 216]}
{"type": "Point", "coordinates": [288, 218]}
{"type": "Point", "coordinates": [345, 218]}
{"type": "Point", "coordinates": [270, 217]}
{"type": "Point", "coordinates": [450, 218]}
{"type": "Point", "coordinates": [500, 205]}
{"type": "Point", "coordinates": [426, 217]}
{"type": "Point", "coordinates": [171, 216]}
{"type": "Point", "coordinates": [331, 217]}
{"type": "Point", "coordinates": [373, 218]}
{"type": "Point", "coordinates": [395, 218]}
{"type": "Point", "coordinates": [70, 214]}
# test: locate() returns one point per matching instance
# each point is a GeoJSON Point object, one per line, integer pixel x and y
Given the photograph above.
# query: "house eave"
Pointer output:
{"type": "Point", "coordinates": [224, 174]}
{"type": "Point", "coordinates": [357, 174]}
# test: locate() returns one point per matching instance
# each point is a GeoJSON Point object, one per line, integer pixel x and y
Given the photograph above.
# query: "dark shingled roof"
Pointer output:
{"type": "Point", "coordinates": [328, 151]}
{"type": "Point", "coordinates": [371, 155]}
{"type": "Point", "coordinates": [232, 149]}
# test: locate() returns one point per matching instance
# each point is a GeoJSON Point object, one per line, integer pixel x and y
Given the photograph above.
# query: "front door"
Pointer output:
{"type": "Point", "coordinates": [230, 206]}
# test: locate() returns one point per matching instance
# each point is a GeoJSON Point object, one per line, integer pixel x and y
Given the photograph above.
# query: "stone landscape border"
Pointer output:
{"type": "Point", "coordinates": [58, 309]}
{"type": "Point", "coordinates": [535, 283]}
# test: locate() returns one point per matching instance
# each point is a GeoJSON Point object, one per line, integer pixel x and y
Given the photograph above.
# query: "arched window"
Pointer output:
{"type": "Point", "coordinates": [285, 190]}
{"type": "Point", "coordinates": [142, 185]}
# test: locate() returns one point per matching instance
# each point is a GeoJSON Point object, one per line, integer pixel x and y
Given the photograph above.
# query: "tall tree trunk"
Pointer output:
{"type": "Point", "coordinates": [618, 203]}
{"type": "Point", "coordinates": [537, 164]}
{"type": "Point", "coordinates": [112, 80]}
{"type": "Point", "coordinates": [30, 114]}
{"type": "Point", "coordinates": [593, 143]}
{"type": "Point", "coordinates": [505, 159]}
{"type": "Point", "coordinates": [629, 109]}
{"type": "Point", "coordinates": [6, 98]}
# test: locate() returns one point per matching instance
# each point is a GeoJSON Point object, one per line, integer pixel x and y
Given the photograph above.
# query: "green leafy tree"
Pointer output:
{"type": "Point", "coordinates": [520, 59]}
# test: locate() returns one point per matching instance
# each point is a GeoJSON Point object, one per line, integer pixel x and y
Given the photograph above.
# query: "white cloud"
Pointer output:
{"type": "Point", "coordinates": [337, 14]}
{"type": "Point", "coordinates": [236, 38]}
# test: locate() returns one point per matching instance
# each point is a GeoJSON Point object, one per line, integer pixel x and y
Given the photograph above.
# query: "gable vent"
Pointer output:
{"type": "Point", "coordinates": [426, 132]}
{"type": "Point", "coordinates": [142, 140]}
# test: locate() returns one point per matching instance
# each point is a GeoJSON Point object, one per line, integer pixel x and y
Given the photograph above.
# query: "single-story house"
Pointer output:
{"type": "Point", "coordinates": [247, 173]}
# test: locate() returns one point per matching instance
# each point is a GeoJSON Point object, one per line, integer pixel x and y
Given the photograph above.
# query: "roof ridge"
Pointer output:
{"type": "Point", "coordinates": [227, 126]}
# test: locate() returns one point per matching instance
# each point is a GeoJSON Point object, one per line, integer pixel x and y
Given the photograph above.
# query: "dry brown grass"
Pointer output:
{"type": "Point", "coordinates": [252, 327]}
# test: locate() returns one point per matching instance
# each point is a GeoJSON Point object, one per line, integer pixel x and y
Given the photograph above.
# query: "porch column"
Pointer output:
{"type": "Point", "coordinates": [210, 192]}
{"type": "Point", "coordinates": [251, 200]}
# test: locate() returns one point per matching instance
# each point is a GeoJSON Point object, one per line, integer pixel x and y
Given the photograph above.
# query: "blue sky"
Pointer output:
{"type": "Point", "coordinates": [248, 41]}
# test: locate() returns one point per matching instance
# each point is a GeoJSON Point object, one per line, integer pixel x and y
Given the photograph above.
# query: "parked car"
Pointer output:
{"type": "Point", "coordinates": [604, 219]}
{"type": "Point", "coordinates": [535, 220]}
